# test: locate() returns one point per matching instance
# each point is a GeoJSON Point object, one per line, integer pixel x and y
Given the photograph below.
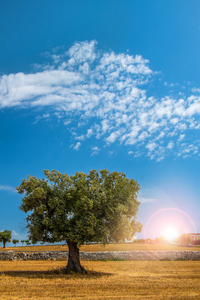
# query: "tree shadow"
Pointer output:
{"type": "Point", "coordinates": [56, 273]}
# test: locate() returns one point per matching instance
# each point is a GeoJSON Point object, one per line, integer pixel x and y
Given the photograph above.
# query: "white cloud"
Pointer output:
{"type": "Point", "coordinates": [82, 52]}
{"type": "Point", "coordinates": [151, 146]}
{"type": "Point", "coordinates": [170, 145]}
{"type": "Point", "coordinates": [196, 90]}
{"type": "Point", "coordinates": [77, 146]}
{"type": "Point", "coordinates": [95, 150]}
{"type": "Point", "coordinates": [188, 150]}
{"type": "Point", "coordinates": [145, 200]}
{"type": "Point", "coordinates": [89, 133]}
{"type": "Point", "coordinates": [105, 125]}
{"type": "Point", "coordinates": [67, 122]}
{"type": "Point", "coordinates": [42, 88]}
{"type": "Point", "coordinates": [80, 138]}
{"type": "Point", "coordinates": [7, 188]}
{"type": "Point", "coordinates": [42, 117]}
{"type": "Point", "coordinates": [160, 136]}
{"type": "Point", "coordinates": [181, 137]}
{"type": "Point", "coordinates": [112, 137]}
{"type": "Point", "coordinates": [106, 96]}
{"type": "Point", "coordinates": [15, 234]}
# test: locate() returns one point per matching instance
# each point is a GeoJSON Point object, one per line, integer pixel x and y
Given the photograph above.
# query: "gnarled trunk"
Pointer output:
{"type": "Point", "coordinates": [74, 264]}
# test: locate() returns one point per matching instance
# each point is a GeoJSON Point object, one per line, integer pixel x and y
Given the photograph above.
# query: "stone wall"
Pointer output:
{"type": "Point", "coordinates": [115, 255]}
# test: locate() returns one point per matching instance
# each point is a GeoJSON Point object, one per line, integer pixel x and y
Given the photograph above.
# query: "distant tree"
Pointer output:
{"type": "Point", "coordinates": [139, 241]}
{"type": "Point", "coordinates": [5, 237]}
{"type": "Point", "coordinates": [22, 241]}
{"type": "Point", "coordinates": [184, 239]}
{"type": "Point", "coordinates": [27, 242]}
{"type": "Point", "coordinates": [15, 242]}
{"type": "Point", "coordinates": [98, 207]}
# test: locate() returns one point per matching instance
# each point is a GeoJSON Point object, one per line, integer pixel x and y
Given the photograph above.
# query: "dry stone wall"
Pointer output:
{"type": "Point", "coordinates": [115, 255]}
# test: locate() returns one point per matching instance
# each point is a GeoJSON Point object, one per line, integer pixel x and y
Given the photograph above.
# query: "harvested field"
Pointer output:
{"type": "Point", "coordinates": [100, 248]}
{"type": "Point", "coordinates": [106, 280]}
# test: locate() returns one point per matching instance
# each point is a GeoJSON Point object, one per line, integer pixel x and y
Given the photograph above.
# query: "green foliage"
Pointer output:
{"type": "Point", "coordinates": [98, 207]}
{"type": "Point", "coordinates": [5, 236]}
{"type": "Point", "coordinates": [15, 242]}
{"type": "Point", "coordinates": [113, 259]}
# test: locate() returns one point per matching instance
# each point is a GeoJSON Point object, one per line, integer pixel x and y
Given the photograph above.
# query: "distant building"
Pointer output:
{"type": "Point", "coordinates": [191, 238]}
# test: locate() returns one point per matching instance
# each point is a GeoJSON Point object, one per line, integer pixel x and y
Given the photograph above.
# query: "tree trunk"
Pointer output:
{"type": "Point", "coordinates": [74, 264]}
{"type": "Point", "coordinates": [4, 244]}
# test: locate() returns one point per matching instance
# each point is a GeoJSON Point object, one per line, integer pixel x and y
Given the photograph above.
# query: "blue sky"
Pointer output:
{"type": "Point", "coordinates": [103, 84]}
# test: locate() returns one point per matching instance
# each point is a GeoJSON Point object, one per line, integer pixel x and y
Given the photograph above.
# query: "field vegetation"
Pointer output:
{"type": "Point", "coordinates": [105, 280]}
{"type": "Point", "coordinates": [100, 247]}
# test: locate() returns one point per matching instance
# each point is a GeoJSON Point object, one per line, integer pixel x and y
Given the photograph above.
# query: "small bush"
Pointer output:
{"type": "Point", "coordinates": [113, 259]}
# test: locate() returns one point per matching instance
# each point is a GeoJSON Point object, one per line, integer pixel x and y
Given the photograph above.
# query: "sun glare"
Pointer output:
{"type": "Point", "coordinates": [170, 233]}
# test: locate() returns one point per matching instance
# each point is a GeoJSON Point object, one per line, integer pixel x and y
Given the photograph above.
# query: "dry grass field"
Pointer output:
{"type": "Point", "coordinates": [99, 247]}
{"type": "Point", "coordinates": [106, 280]}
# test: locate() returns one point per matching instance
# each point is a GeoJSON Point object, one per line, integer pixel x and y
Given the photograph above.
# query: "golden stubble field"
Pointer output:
{"type": "Point", "coordinates": [100, 248]}
{"type": "Point", "coordinates": [106, 280]}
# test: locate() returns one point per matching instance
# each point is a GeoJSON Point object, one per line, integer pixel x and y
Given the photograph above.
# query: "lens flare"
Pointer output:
{"type": "Point", "coordinates": [169, 223]}
{"type": "Point", "coordinates": [170, 233]}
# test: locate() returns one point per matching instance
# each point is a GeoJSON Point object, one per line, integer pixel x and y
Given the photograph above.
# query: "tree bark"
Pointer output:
{"type": "Point", "coordinates": [74, 264]}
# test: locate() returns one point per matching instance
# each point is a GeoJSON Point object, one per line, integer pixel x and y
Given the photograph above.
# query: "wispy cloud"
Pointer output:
{"type": "Point", "coordinates": [95, 150]}
{"type": "Point", "coordinates": [77, 146]}
{"type": "Point", "coordinates": [145, 200]}
{"type": "Point", "coordinates": [7, 188]}
{"type": "Point", "coordinates": [111, 96]}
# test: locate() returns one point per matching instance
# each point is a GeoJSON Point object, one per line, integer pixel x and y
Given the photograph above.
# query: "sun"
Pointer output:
{"type": "Point", "coordinates": [170, 233]}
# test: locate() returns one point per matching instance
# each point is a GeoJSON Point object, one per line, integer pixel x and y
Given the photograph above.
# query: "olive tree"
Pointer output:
{"type": "Point", "coordinates": [15, 242]}
{"type": "Point", "coordinates": [82, 208]}
{"type": "Point", "coordinates": [27, 242]}
{"type": "Point", "coordinates": [5, 237]}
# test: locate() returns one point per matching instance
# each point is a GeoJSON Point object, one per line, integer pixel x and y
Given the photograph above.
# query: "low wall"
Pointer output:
{"type": "Point", "coordinates": [115, 255]}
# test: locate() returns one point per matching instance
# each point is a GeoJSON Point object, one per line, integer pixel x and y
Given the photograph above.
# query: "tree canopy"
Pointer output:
{"type": "Point", "coordinates": [15, 242]}
{"type": "Point", "coordinates": [95, 207]}
{"type": "Point", "coordinates": [5, 236]}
